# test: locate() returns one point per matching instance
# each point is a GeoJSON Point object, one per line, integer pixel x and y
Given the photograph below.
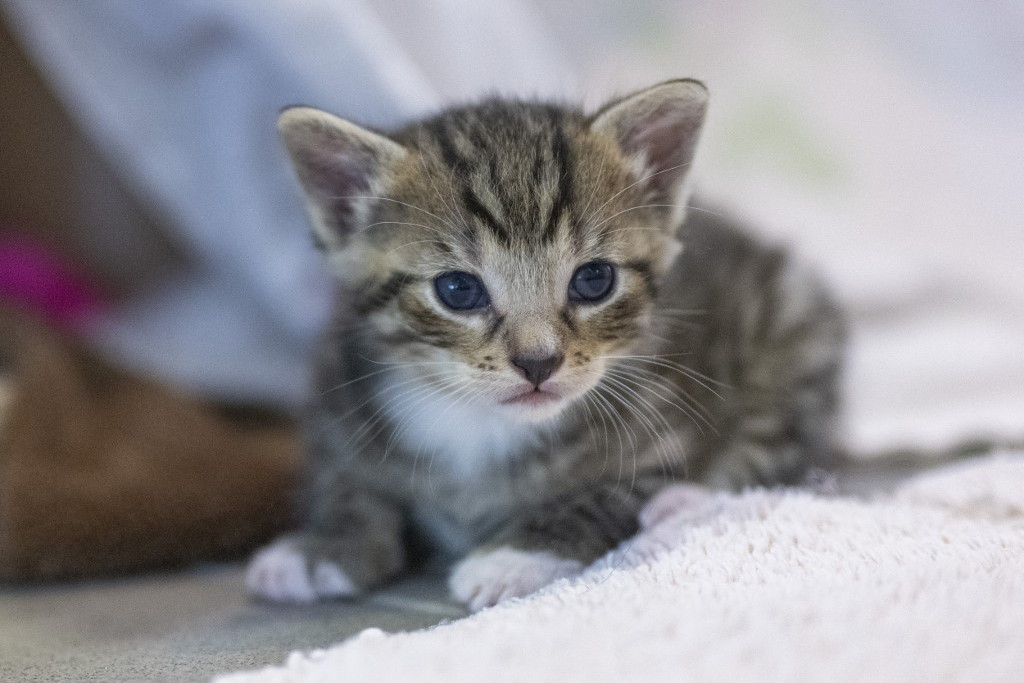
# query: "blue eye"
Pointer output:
{"type": "Point", "coordinates": [461, 291]}
{"type": "Point", "coordinates": [592, 281]}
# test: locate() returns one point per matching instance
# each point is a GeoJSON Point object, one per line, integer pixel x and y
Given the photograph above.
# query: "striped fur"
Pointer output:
{"type": "Point", "coordinates": [718, 365]}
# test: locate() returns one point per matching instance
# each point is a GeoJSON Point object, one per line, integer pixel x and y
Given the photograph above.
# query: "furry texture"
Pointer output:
{"type": "Point", "coordinates": [761, 586]}
{"type": "Point", "coordinates": [538, 419]}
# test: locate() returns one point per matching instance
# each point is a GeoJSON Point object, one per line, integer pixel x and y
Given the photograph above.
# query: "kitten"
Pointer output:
{"type": "Point", "coordinates": [524, 352]}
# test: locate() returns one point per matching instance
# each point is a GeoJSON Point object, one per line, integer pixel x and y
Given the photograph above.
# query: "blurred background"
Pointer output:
{"type": "Point", "coordinates": [883, 140]}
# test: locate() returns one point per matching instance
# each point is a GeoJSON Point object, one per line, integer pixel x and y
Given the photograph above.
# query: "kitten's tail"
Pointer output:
{"type": "Point", "coordinates": [862, 471]}
{"type": "Point", "coordinates": [917, 457]}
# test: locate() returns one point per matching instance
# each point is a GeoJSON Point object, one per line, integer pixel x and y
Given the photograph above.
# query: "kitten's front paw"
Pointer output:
{"type": "Point", "coordinates": [485, 579]}
{"type": "Point", "coordinates": [282, 573]}
{"type": "Point", "coordinates": [671, 500]}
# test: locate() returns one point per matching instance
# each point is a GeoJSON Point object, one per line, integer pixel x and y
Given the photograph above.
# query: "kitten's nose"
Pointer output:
{"type": "Point", "coordinates": [536, 370]}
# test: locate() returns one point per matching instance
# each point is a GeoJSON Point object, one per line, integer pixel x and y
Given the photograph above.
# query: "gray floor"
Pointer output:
{"type": "Point", "coordinates": [184, 626]}
{"type": "Point", "coordinates": [190, 625]}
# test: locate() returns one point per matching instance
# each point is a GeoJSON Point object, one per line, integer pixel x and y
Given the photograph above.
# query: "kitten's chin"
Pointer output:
{"type": "Point", "coordinates": [535, 406]}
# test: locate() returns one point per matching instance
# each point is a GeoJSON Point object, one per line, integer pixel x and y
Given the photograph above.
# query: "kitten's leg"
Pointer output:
{"type": "Point", "coordinates": [357, 546]}
{"type": "Point", "coordinates": [546, 543]}
{"type": "Point", "coordinates": [789, 350]}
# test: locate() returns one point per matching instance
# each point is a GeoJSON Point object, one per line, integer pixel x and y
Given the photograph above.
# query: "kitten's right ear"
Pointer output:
{"type": "Point", "coordinates": [658, 129]}
{"type": "Point", "coordinates": [340, 165]}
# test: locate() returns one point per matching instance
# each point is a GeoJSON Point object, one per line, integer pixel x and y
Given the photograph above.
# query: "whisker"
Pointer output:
{"type": "Point", "coordinates": [636, 442]}
{"type": "Point", "coordinates": [396, 201]}
{"type": "Point", "coordinates": [386, 389]}
{"type": "Point", "coordinates": [641, 180]}
{"type": "Point", "coordinates": [453, 213]}
{"type": "Point", "coordinates": [431, 228]}
{"type": "Point", "coordinates": [701, 209]}
{"type": "Point", "coordinates": [593, 192]}
{"type": "Point", "coordinates": [682, 369]}
{"type": "Point", "coordinates": [414, 402]}
{"type": "Point", "coordinates": [608, 409]}
{"type": "Point", "coordinates": [453, 233]}
{"type": "Point", "coordinates": [379, 417]}
{"type": "Point", "coordinates": [413, 363]}
{"type": "Point", "coordinates": [699, 410]}
{"type": "Point", "coordinates": [468, 392]}
{"type": "Point", "coordinates": [690, 407]}
{"type": "Point", "coordinates": [645, 420]}
{"type": "Point", "coordinates": [674, 388]}
{"type": "Point", "coordinates": [586, 399]}
{"type": "Point", "coordinates": [632, 208]}
{"type": "Point", "coordinates": [457, 392]}
{"type": "Point", "coordinates": [353, 381]}
{"type": "Point", "coordinates": [409, 244]}
{"type": "Point", "coordinates": [633, 227]}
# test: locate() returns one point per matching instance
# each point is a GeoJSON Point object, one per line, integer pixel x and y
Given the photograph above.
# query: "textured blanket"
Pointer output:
{"type": "Point", "coordinates": [924, 585]}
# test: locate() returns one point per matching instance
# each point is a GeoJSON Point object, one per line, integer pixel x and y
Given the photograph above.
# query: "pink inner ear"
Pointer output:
{"type": "Point", "coordinates": [665, 153]}
{"type": "Point", "coordinates": [333, 178]}
{"type": "Point", "coordinates": [335, 174]}
{"type": "Point", "coordinates": [666, 137]}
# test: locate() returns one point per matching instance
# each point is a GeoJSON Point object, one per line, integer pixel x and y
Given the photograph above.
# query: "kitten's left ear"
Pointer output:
{"type": "Point", "coordinates": [340, 165]}
{"type": "Point", "coordinates": [658, 129]}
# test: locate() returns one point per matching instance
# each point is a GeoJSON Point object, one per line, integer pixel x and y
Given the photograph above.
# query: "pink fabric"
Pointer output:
{"type": "Point", "coordinates": [34, 278]}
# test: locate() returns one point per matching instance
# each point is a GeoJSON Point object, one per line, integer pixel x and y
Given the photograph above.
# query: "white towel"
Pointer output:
{"type": "Point", "coordinates": [927, 585]}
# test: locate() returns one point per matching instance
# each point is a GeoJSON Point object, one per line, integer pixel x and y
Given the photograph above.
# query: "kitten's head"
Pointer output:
{"type": "Point", "coordinates": [507, 249]}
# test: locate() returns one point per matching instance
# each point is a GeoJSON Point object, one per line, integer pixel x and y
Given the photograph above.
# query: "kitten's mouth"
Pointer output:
{"type": "Point", "coordinates": [533, 397]}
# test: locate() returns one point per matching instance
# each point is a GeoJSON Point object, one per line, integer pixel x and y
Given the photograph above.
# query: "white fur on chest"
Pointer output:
{"type": "Point", "coordinates": [455, 435]}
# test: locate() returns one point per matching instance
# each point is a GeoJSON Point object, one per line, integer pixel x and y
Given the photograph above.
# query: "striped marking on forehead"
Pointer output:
{"type": "Point", "coordinates": [564, 196]}
{"type": "Point", "coordinates": [512, 167]}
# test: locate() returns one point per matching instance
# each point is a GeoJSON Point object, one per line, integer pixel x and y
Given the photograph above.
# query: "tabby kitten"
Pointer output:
{"type": "Point", "coordinates": [524, 353]}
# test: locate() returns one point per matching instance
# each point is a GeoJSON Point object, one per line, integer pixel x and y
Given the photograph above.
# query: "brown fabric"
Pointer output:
{"type": "Point", "coordinates": [103, 472]}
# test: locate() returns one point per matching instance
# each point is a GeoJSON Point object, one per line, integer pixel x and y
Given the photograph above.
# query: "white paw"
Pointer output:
{"type": "Point", "coordinates": [488, 578]}
{"type": "Point", "coordinates": [673, 499]}
{"type": "Point", "coordinates": [280, 573]}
